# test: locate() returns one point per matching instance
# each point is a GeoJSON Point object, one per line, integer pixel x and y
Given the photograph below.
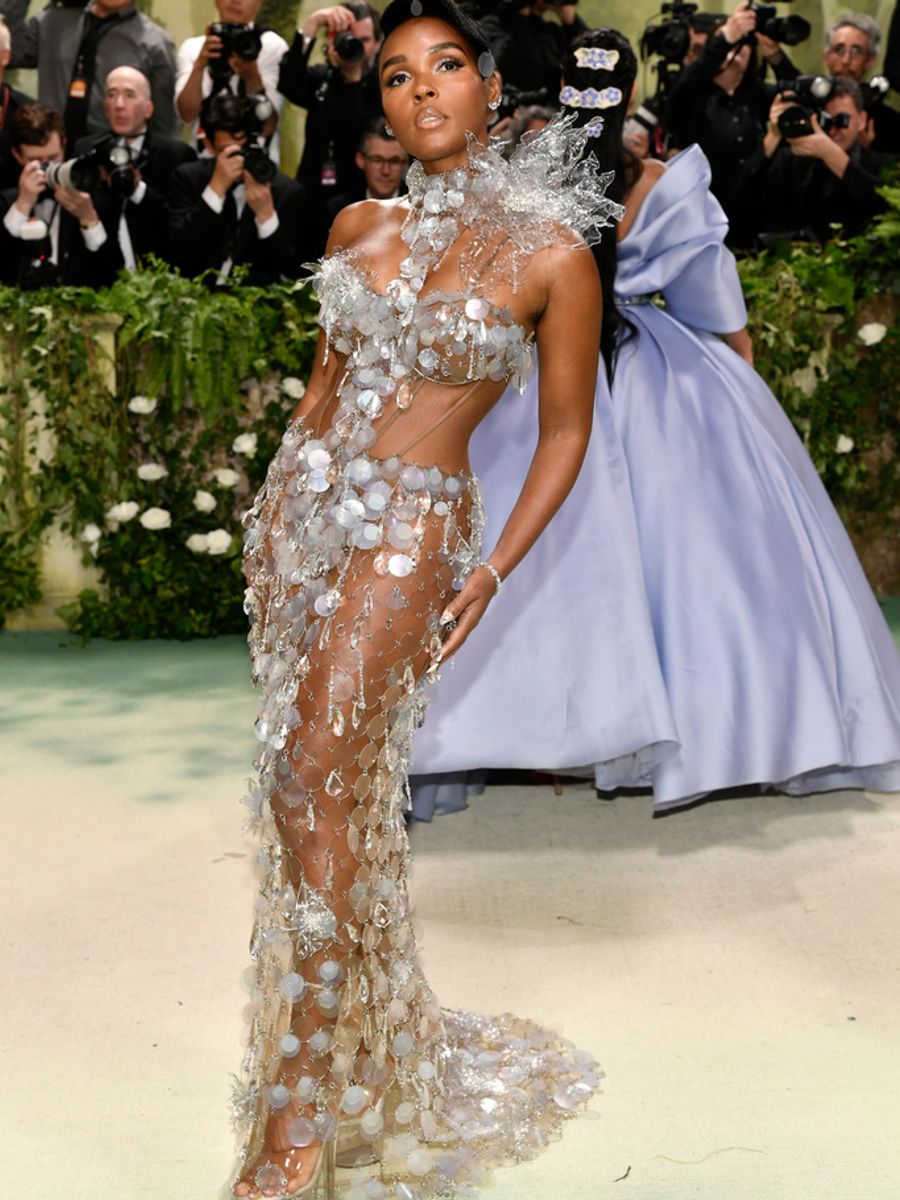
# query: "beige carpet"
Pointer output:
{"type": "Point", "coordinates": [734, 967]}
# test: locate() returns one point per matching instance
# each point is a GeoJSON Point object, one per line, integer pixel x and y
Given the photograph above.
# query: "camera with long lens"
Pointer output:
{"type": "Point", "coordinates": [788, 31]}
{"type": "Point", "coordinates": [670, 39]}
{"type": "Point", "coordinates": [238, 40]}
{"type": "Point", "coordinates": [119, 163]}
{"type": "Point", "coordinates": [810, 94]}
{"type": "Point", "coordinates": [80, 174]}
{"type": "Point", "coordinates": [514, 98]}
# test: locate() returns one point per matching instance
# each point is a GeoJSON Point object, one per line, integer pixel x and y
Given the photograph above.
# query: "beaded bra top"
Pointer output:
{"type": "Point", "coordinates": [507, 210]}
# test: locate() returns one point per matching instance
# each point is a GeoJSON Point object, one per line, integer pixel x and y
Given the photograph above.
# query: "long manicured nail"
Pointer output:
{"type": "Point", "coordinates": [446, 616]}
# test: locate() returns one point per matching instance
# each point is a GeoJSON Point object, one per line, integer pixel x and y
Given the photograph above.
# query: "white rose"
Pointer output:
{"type": "Point", "coordinates": [152, 471]}
{"type": "Point", "coordinates": [245, 443]}
{"type": "Point", "coordinates": [293, 387]}
{"type": "Point", "coordinates": [156, 518]}
{"type": "Point", "coordinates": [197, 542]}
{"type": "Point", "coordinates": [91, 533]}
{"type": "Point", "coordinates": [226, 477]}
{"type": "Point", "coordinates": [871, 334]}
{"type": "Point", "coordinates": [142, 405]}
{"type": "Point", "coordinates": [218, 542]}
{"type": "Point", "coordinates": [844, 444]}
{"type": "Point", "coordinates": [125, 511]}
{"type": "Point", "coordinates": [204, 501]}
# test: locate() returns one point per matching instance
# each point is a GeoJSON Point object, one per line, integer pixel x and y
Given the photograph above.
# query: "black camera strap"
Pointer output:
{"type": "Point", "coordinates": [93, 30]}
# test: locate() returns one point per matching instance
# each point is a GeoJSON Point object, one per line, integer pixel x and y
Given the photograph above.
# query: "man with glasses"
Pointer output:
{"type": "Point", "coordinates": [383, 162]}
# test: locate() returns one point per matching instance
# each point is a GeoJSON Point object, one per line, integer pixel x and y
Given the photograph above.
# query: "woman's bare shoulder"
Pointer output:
{"type": "Point", "coordinates": [361, 221]}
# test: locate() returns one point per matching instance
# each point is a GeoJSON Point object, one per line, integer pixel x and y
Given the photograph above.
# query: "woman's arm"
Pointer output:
{"type": "Point", "coordinates": [568, 338]}
{"type": "Point", "coordinates": [740, 344]}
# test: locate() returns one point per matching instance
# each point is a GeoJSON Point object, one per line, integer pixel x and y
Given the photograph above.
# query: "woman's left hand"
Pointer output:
{"type": "Point", "coordinates": [466, 610]}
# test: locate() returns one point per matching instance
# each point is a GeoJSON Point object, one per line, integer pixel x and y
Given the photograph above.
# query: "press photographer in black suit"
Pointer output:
{"type": "Point", "coordinates": [132, 197]}
{"type": "Point", "coordinates": [49, 235]}
{"type": "Point", "coordinates": [805, 185]}
{"type": "Point", "coordinates": [340, 97]}
{"type": "Point", "coordinates": [235, 209]}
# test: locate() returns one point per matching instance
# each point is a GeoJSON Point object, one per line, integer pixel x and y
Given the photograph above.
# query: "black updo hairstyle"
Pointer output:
{"type": "Point", "coordinates": [611, 155]}
{"type": "Point", "coordinates": [398, 12]}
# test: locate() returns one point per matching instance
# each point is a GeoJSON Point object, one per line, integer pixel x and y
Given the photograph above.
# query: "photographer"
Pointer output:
{"type": "Point", "coordinates": [132, 196]}
{"type": "Point", "coordinates": [808, 183]}
{"type": "Point", "coordinates": [529, 48]}
{"type": "Point", "coordinates": [382, 162]}
{"type": "Point", "coordinates": [50, 234]}
{"type": "Point", "coordinates": [10, 101]}
{"type": "Point", "coordinates": [14, 13]}
{"type": "Point", "coordinates": [340, 98]}
{"type": "Point", "coordinates": [720, 102]}
{"type": "Point", "coordinates": [73, 46]}
{"type": "Point", "coordinates": [248, 66]}
{"type": "Point", "coordinates": [235, 208]}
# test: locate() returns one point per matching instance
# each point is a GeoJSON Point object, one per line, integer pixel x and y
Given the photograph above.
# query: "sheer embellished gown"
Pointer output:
{"type": "Point", "coordinates": [776, 663]}
{"type": "Point", "coordinates": [355, 545]}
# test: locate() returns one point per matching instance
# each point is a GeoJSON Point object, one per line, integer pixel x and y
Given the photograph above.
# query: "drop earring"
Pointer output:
{"type": "Point", "coordinates": [389, 131]}
{"type": "Point", "coordinates": [494, 104]}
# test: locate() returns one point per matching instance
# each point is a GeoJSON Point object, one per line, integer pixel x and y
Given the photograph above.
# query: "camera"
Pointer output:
{"type": "Point", "coordinates": [243, 114]}
{"type": "Point", "coordinates": [117, 159]}
{"type": "Point", "coordinates": [243, 41]}
{"type": "Point", "coordinates": [78, 174]}
{"type": "Point", "coordinates": [669, 40]}
{"type": "Point", "coordinates": [810, 92]}
{"type": "Point", "coordinates": [789, 31]}
{"type": "Point", "coordinates": [349, 48]}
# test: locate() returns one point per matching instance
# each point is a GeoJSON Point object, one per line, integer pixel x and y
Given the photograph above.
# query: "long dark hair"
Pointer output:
{"type": "Point", "coordinates": [611, 155]}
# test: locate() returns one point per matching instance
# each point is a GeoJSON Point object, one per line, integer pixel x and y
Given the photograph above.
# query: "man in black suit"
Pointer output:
{"type": "Point", "coordinates": [48, 236]}
{"type": "Point", "coordinates": [383, 163]}
{"type": "Point", "coordinates": [10, 100]}
{"type": "Point", "coordinates": [132, 200]}
{"type": "Point", "coordinates": [233, 210]}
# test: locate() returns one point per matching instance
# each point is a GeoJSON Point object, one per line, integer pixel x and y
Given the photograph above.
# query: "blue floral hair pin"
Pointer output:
{"type": "Point", "coordinates": [590, 97]}
{"type": "Point", "coordinates": [594, 127]}
{"type": "Point", "coordinates": [596, 58]}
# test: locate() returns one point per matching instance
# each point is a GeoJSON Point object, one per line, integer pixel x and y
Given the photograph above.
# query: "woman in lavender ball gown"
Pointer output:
{"type": "Point", "coordinates": [778, 667]}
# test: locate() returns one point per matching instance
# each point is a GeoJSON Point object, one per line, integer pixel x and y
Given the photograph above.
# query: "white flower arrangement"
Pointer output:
{"type": "Point", "coordinates": [293, 387]}
{"type": "Point", "coordinates": [204, 501]}
{"type": "Point", "coordinates": [142, 404]}
{"type": "Point", "coordinates": [844, 444]}
{"type": "Point", "coordinates": [197, 542]}
{"type": "Point", "coordinates": [218, 541]}
{"type": "Point", "coordinates": [871, 333]}
{"type": "Point", "coordinates": [156, 518]}
{"type": "Point", "coordinates": [126, 510]}
{"type": "Point", "coordinates": [151, 472]}
{"type": "Point", "coordinates": [225, 477]}
{"type": "Point", "coordinates": [245, 443]}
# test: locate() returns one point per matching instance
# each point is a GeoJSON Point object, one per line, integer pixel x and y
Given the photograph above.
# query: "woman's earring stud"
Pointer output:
{"type": "Point", "coordinates": [389, 131]}
{"type": "Point", "coordinates": [494, 105]}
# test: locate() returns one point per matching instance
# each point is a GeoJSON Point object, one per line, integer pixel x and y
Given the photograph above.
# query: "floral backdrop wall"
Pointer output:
{"type": "Point", "coordinates": [152, 477]}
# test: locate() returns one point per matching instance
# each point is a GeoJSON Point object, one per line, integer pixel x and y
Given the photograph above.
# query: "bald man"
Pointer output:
{"type": "Point", "coordinates": [132, 202]}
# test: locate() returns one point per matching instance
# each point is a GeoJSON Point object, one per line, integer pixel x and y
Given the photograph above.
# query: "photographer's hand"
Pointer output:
{"type": "Point", "coordinates": [335, 19]}
{"type": "Point", "coordinates": [772, 140]}
{"type": "Point", "coordinates": [229, 169]}
{"type": "Point", "coordinates": [819, 145]}
{"type": "Point", "coordinates": [769, 49]}
{"type": "Point", "coordinates": [190, 97]}
{"type": "Point", "coordinates": [259, 199]}
{"type": "Point", "coordinates": [741, 22]}
{"type": "Point", "coordinates": [31, 184]}
{"type": "Point", "coordinates": [79, 204]}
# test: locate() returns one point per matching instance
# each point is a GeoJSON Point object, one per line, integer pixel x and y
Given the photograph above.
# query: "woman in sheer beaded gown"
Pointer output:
{"type": "Point", "coordinates": [364, 570]}
{"type": "Point", "coordinates": [777, 662]}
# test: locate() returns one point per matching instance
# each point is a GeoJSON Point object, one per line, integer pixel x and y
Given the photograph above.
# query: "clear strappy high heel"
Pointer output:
{"type": "Point", "coordinates": [270, 1180]}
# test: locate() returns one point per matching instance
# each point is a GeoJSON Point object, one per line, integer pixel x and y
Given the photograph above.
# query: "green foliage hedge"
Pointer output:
{"type": "Point", "coordinates": [206, 380]}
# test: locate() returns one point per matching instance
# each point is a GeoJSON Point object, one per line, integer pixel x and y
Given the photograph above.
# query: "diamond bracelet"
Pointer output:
{"type": "Point", "coordinates": [498, 582]}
